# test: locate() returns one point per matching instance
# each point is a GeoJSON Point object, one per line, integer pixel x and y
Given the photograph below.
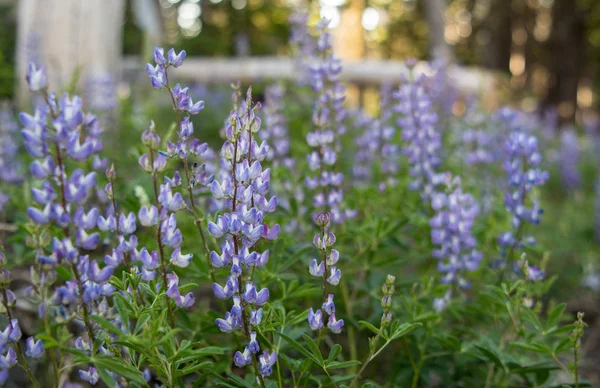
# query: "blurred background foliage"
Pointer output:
{"type": "Point", "coordinates": [547, 51]}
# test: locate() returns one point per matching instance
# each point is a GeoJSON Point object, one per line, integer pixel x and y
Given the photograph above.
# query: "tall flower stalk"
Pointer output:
{"type": "Point", "coordinates": [57, 136]}
{"type": "Point", "coordinates": [328, 120]}
{"type": "Point", "coordinates": [10, 168]}
{"type": "Point", "coordinates": [451, 233]}
{"type": "Point", "coordinates": [241, 227]}
{"type": "Point", "coordinates": [418, 121]}
{"type": "Point", "coordinates": [522, 165]}
{"type": "Point", "coordinates": [185, 147]}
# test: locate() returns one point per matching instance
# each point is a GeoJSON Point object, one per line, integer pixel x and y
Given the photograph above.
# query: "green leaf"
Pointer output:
{"type": "Point", "coordinates": [120, 305]}
{"type": "Point", "coordinates": [132, 346]}
{"type": "Point", "coordinates": [404, 329]}
{"type": "Point", "coordinates": [142, 320]}
{"type": "Point", "coordinates": [48, 341]}
{"type": "Point", "coordinates": [208, 351]}
{"type": "Point", "coordinates": [369, 326]}
{"type": "Point", "coordinates": [294, 344]}
{"type": "Point", "coordinates": [556, 314]}
{"type": "Point", "coordinates": [240, 381]}
{"type": "Point", "coordinates": [334, 352]}
{"type": "Point", "coordinates": [193, 368]}
{"type": "Point", "coordinates": [120, 368]}
{"type": "Point", "coordinates": [491, 353]}
{"type": "Point", "coordinates": [106, 377]}
{"type": "Point", "coordinates": [314, 348]}
{"type": "Point", "coordinates": [106, 324]}
{"type": "Point", "coordinates": [533, 347]}
{"type": "Point", "coordinates": [340, 365]}
{"type": "Point", "coordinates": [531, 317]}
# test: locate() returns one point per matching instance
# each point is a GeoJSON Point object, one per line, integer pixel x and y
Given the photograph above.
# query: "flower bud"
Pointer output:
{"type": "Point", "coordinates": [111, 174]}
{"type": "Point", "coordinates": [386, 302]}
{"type": "Point", "coordinates": [386, 318]}
{"type": "Point", "coordinates": [322, 219]}
{"type": "Point", "coordinates": [150, 138]}
{"type": "Point", "coordinates": [389, 280]}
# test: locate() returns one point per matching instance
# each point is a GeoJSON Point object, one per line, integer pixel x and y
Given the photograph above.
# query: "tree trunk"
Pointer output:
{"type": "Point", "coordinates": [73, 38]}
{"type": "Point", "coordinates": [566, 55]}
{"type": "Point", "coordinates": [436, 21]}
{"type": "Point", "coordinates": [495, 36]}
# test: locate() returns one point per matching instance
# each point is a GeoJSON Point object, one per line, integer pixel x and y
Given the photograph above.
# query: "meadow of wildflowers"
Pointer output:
{"type": "Point", "coordinates": [310, 246]}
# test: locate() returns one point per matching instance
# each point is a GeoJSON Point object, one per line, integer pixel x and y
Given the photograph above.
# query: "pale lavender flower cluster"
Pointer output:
{"type": "Point", "coordinates": [328, 119]}
{"type": "Point", "coordinates": [60, 131]}
{"type": "Point", "coordinates": [475, 136]}
{"type": "Point", "coordinates": [376, 157]}
{"type": "Point", "coordinates": [276, 133]}
{"type": "Point", "coordinates": [522, 166]}
{"type": "Point", "coordinates": [325, 269]}
{"type": "Point", "coordinates": [302, 42]}
{"type": "Point", "coordinates": [441, 87]}
{"type": "Point", "coordinates": [569, 155]}
{"type": "Point", "coordinates": [597, 208]}
{"type": "Point", "coordinates": [10, 337]}
{"type": "Point", "coordinates": [10, 168]}
{"type": "Point", "coordinates": [418, 122]}
{"type": "Point", "coordinates": [451, 232]}
{"type": "Point", "coordinates": [276, 130]}
{"type": "Point", "coordinates": [101, 92]}
{"type": "Point", "coordinates": [241, 227]}
{"type": "Point", "coordinates": [367, 147]}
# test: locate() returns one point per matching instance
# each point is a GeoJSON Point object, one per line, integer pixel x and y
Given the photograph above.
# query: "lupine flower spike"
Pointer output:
{"type": "Point", "coordinates": [241, 227]}
{"type": "Point", "coordinates": [326, 269]}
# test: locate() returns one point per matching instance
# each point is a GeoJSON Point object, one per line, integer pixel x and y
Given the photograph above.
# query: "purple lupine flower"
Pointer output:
{"type": "Point", "coordinates": [325, 269]}
{"type": "Point", "coordinates": [522, 166]}
{"type": "Point", "coordinates": [328, 119]}
{"type": "Point", "coordinates": [173, 292]}
{"type": "Point", "coordinates": [315, 319]}
{"type": "Point", "coordinates": [423, 141]}
{"type": "Point", "coordinates": [451, 233]}
{"type": "Point", "coordinates": [36, 77]}
{"type": "Point", "coordinates": [245, 187]}
{"type": "Point", "coordinates": [303, 44]}
{"type": "Point", "coordinates": [266, 362]}
{"type": "Point", "coordinates": [242, 359]}
{"type": "Point", "coordinates": [441, 87]}
{"type": "Point", "coordinates": [175, 59]}
{"type": "Point", "coordinates": [376, 159]}
{"type": "Point", "coordinates": [335, 325]}
{"type": "Point", "coordinates": [276, 134]}
{"type": "Point", "coordinates": [8, 360]}
{"type": "Point", "coordinates": [477, 135]}
{"type": "Point", "coordinates": [90, 375]}
{"type": "Point", "coordinates": [34, 349]}
{"type": "Point", "coordinates": [10, 168]}
{"type": "Point", "coordinates": [59, 132]}
{"type": "Point", "coordinates": [12, 333]}
{"type": "Point", "coordinates": [569, 159]}
{"type": "Point", "coordinates": [148, 216]}
{"type": "Point", "coordinates": [597, 208]}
